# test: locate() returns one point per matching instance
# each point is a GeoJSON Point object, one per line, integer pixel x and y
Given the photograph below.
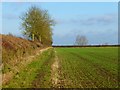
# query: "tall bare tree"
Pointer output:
{"type": "Point", "coordinates": [36, 25]}
{"type": "Point", "coordinates": [81, 40]}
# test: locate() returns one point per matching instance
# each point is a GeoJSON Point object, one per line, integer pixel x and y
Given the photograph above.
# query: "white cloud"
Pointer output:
{"type": "Point", "coordinates": [103, 20]}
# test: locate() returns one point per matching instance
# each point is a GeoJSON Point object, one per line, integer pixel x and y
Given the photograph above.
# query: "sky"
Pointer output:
{"type": "Point", "coordinates": [98, 21]}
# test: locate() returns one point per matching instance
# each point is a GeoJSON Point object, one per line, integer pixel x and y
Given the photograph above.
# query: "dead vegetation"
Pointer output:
{"type": "Point", "coordinates": [15, 52]}
{"type": "Point", "coordinates": [13, 49]}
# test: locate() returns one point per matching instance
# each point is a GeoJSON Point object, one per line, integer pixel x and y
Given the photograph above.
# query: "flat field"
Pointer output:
{"type": "Point", "coordinates": [89, 67]}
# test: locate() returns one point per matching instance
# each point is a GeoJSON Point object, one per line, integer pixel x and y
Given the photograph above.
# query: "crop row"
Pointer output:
{"type": "Point", "coordinates": [88, 67]}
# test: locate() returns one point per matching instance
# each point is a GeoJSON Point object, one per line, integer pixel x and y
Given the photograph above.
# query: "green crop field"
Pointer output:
{"type": "Point", "coordinates": [90, 67]}
{"type": "Point", "coordinates": [73, 47]}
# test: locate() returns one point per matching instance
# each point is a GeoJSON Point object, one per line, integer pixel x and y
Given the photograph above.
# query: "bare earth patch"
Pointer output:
{"type": "Point", "coordinates": [54, 72]}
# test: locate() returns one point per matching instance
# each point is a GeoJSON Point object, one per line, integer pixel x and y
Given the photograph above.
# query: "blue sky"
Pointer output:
{"type": "Point", "coordinates": [97, 21]}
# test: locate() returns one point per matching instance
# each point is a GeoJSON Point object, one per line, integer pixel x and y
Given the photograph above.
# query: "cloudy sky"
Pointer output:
{"type": "Point", "coordinates": [97, 21]}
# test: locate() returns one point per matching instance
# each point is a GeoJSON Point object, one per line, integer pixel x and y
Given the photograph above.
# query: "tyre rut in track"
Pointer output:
{"type": "Point", "coordinates": [54, 72]}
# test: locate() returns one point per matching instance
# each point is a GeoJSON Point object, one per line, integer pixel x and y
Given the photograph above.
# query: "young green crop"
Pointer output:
{"type": "Point", "coordinates": [89, 67]}
{"type": "Point", "coordinates": [94, 67]}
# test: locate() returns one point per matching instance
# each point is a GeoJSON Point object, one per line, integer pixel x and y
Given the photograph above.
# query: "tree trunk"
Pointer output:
{"type": "Point", "coordinates": [33, 37]}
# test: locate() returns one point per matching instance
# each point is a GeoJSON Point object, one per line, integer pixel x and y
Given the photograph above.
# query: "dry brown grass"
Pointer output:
{"type": "Point", "coordinates": [14, 48]}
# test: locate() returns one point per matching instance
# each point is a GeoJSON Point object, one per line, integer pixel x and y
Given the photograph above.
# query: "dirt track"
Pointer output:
{"type": "Point", "coordinates": [54, 71]}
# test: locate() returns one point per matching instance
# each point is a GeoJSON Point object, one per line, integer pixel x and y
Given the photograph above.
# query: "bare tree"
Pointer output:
{"type": "Point", "coordinates": [105, 43]}
{"type": "Point", "coordinates": [81, 40]}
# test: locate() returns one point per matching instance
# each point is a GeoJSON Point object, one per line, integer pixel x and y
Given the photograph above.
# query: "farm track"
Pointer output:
{"type": "Point", "coordinates": [54, 71]}
{"type": "Point", "coordinates": [39, 77]}
{"type": "Point", "coordinates": [73, 68]}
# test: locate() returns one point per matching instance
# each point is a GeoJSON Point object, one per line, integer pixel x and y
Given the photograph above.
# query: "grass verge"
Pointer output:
{"type": "Point", "coordinates": [29, 76]}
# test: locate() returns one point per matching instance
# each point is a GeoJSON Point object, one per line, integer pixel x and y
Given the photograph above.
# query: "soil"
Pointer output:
{"type": "Point", "coordinates": [54, 72]}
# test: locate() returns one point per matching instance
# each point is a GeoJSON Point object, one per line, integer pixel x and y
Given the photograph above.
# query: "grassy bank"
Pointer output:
{"type": "Point", "coordinates": [14, 49]}
{"type": "Point", "coordinates": [36, 74]}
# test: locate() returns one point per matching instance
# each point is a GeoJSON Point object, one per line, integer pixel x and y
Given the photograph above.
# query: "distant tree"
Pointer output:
{"type": "Point", "coordinates": [36, 25]}
{"type": "Point", "coordinates": [105, 43]}
{"type": "Point", "coordinates": [81, 40]}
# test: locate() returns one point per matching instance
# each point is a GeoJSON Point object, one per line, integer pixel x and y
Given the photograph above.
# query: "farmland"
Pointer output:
{"type": "Point", "coordinates": [89, 67]}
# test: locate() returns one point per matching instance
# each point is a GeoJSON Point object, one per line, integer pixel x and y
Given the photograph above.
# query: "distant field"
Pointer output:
{"type": "Point", "coordinates": [88, 67]}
